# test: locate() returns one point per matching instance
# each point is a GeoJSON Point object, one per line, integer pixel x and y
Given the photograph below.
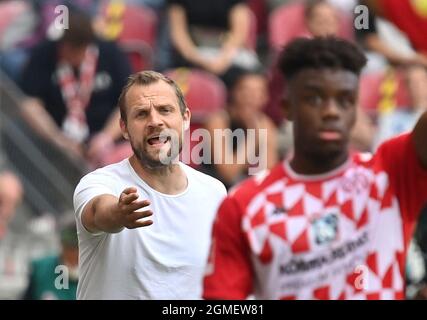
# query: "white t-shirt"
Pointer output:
{"type": "Point", "coordinates": [163, 261]}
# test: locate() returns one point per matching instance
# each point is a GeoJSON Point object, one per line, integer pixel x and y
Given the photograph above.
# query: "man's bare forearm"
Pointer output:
{"type": "Point", "coordinates": [100, 215]}
{"type": "Point", "coordinates": [111, 214]}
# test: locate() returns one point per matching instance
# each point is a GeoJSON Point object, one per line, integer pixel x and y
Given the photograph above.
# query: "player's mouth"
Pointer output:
{"type": "Point", "coordinates": [330, 135]}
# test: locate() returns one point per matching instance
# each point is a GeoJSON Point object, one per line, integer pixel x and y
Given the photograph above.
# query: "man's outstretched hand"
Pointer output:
{"type": "Point", "coordinates": [127, 210]}
{"type": "Point", "coordinates": [108, 214]}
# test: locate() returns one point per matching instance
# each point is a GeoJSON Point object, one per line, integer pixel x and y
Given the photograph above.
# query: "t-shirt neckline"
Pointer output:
{"type": "Point", "coordinates": [139, 179]}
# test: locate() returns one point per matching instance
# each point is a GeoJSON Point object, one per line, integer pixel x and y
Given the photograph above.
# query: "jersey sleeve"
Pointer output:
{"type": "Point", "coordinates": [229, 272]}
{"type": "Point", "coordinates": [408, 178]}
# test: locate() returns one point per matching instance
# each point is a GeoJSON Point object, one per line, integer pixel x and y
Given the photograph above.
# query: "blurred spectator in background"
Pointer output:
{"type": "Point", "coordinates": [247, 96]}
{"type": "Point", "coordinates": [410, 16]}
{"type": "Point", "coordinates": [72, 86]}
{"type": "Point", "coordinates": [22, 237]}
{"type": "Point", "coordinates": [386, 44]}
{"type": "Point", "coordinates": [404, 119]}
{"type": "Point", "coordinates": [55, 277]}
{"type": "Point", "coordinates": [322, 18]}
{"type": "Point", "coordinates": [211, 34]}
{"type": "Point", "coordinates": [11, 193]}
{"type": "Point", "coordinates": [346, 6]}
{"type": "Point", "coordinates": [25, 23]}
{"type": "Point", "coordinates": [17, 22]}
{"type": "Point", "coordinates": [156, 5]}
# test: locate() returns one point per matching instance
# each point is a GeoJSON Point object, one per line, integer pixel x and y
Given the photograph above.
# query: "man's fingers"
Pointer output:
{"type": "Point", "coordinates": [140, 214]}
{"type": "Point", "coordinates": [128, 198]}
{"type": "Point", "coordinates": [138, 205]}
{"type": "Point", "coordinates": [137, 219]}
{"type": "Point", "coordinates": [129, 190]}
{"type": "Point", "coordinates": [139, 224]}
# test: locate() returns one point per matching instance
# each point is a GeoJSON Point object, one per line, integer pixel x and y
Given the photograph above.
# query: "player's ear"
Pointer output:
{"type": "Point", "coordinates": [124, 129]}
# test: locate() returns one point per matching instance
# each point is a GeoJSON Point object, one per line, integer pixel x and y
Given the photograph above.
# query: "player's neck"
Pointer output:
{"type": "Point", "coordinates": [308, 165]}
{"type": "Point", "coordinates": [169, 179]}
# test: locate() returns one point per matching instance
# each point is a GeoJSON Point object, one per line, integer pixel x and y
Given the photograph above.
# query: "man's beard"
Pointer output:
{"type": "Point", "coordinates": [147, 161]}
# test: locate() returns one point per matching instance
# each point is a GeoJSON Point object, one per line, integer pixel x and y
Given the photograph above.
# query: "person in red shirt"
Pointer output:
{"type": "Point", "coordinates": [410, 16]}
{"type": "Point", "coordinates": [326, 223]}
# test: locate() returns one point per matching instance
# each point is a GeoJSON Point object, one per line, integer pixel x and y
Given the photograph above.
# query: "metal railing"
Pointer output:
{"type": "Point", "coordinates": [49, 176]}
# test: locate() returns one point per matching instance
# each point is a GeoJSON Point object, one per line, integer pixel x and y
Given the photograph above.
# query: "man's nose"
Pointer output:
{"type": "Point", "coordinates": [155, 119]}
{"type": "Point", "coordinates": [331, 109]}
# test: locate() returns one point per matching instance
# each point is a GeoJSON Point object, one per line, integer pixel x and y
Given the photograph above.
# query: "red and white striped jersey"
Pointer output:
{"type": "Point", "coordinates": [340, 235]}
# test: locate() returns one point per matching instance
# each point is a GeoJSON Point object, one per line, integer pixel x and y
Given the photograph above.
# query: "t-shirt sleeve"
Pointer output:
{"type": "Point", "coordinates": [407, 177]}
{"type": "Point", "coordinates": [90, 186]}
{"type": "Point", "coordinates": [229, 271]}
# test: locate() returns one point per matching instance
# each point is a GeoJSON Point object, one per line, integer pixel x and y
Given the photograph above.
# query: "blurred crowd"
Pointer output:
{"type": "Point", "coordinates": [72, 77]}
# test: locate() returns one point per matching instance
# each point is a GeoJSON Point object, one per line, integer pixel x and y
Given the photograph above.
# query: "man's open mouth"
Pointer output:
{"type": "Point", "coordinates": [158, 140]}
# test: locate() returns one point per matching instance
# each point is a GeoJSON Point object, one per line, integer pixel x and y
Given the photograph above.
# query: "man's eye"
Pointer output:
{"type": "Point", "coordinates": [141, 114]}
{"type": "Point", "coordinates": [346, 101]}
{"type": "Point", "coordinates": [165, 110]}
{"type": "Point", "coordinates": [315, 100]}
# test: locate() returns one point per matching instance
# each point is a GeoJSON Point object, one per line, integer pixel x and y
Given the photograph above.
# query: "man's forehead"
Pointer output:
{"type": "Point", "coordinates": [320, 78]}
{"type": "Point", "coordinates": [155, 92]}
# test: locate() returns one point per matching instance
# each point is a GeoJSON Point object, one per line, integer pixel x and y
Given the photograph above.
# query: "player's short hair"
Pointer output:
{"type": "Point", "coordinates": [319, 53]}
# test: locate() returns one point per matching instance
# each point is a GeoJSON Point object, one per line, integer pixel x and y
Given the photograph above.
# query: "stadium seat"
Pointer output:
{"type": "Point", "coordinates": [203, 91]}
{"type": "Point", "coordinates": [381, 92]}
{"type": "Point", "coordinates": [135, 29]}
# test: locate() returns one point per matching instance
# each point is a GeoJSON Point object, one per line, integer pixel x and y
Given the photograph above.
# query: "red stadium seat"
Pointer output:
{"type": "Point", "coordinates": [287, 22]}
{"type": "Point", "coordinates": [382, 90]}
{"type": "Point", "coordinates": [204, 93]}
{"type": "Point", "coordinates": [135, 29]}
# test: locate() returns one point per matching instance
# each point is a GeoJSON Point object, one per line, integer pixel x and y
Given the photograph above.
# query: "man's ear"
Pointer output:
{"type": "Point", "coordinates": [287, 108]}
{"type": "Point", "coordinates": [187, 117]}
{"type": "Point", "coordinates": [124, 129]}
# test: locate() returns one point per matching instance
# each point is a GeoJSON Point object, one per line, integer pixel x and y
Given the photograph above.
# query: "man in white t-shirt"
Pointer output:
{"type": "Point", "coordinates": [144, 224]}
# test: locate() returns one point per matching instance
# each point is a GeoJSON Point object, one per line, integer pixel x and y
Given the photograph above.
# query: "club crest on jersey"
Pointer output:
{"type": "Point", "coordinates": [325, 228]}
